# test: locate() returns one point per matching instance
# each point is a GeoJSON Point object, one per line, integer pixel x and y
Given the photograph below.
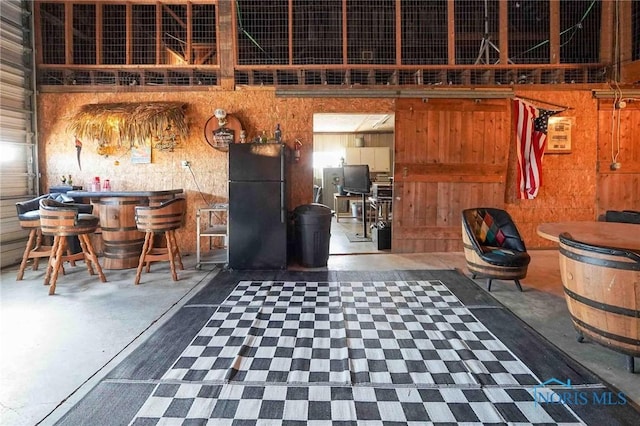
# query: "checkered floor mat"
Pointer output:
{"type": "Point", "coordinates": [399, 351]}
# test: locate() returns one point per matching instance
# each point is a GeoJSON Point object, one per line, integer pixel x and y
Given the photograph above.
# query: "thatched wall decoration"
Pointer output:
{"type": "Point", "coordinates": [129, 124]}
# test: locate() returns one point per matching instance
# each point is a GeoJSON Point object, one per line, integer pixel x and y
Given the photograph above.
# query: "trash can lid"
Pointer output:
{"type": "Point", "coordinates": [314, 209]}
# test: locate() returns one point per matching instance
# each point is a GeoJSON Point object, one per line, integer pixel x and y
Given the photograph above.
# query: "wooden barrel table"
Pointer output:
{"type": "Point", "coordinates": [122, 242]}
{"type": "Point", "coordinates": [121, 238]}
{"type": "Point", "coordinates": [602, 291]}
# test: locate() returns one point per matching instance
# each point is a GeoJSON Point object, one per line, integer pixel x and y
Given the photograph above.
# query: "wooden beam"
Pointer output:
{"type": "Point", "coordinates": [451, 30]}
{"type": "Point", "coordinates": [226, 25]}
{"type": "Point", "coordinates": [606, 31]}
{"type": "Point", "coordinates": [345, 50]}
{"type": "Point", "coordinates": [188, 54]}
{"type": "Point", "coordinates": [159, 51]}
{"type": "Point", "coordinates": [99, 32]}
{"type": "Point", "coordinates": [68, 33]}
{"type": "Point", "coordinates": [504, 31]}
{"type": "Point", "coordinates": [480, 173]}
{"type": "Point", "coordinates": [554, 31]}
{"type": "Point", "coordinates": [626, 39]}
{"type": "Point", "coordinates": [398, 33]}
{"type": "Point", "coordinates": [129, 34]}
{"type": "Point", "coordinates": [290, 35]}
{"type": "Point", "coordinates": [174, 16]}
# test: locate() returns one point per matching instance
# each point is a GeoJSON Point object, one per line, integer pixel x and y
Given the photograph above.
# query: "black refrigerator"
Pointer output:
{"type": "Point", "coordinates": [257, 206]}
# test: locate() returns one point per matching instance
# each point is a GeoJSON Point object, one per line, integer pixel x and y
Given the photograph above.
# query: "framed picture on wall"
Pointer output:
{"type": "Point", "coordinates": [559, 135]}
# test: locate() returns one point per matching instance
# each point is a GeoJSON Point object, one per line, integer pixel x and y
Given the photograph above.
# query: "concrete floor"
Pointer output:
{"type": "Point", "coordinates": [54, 349]}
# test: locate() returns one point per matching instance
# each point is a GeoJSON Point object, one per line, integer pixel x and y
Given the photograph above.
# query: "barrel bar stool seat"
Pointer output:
{"type": "Point", "coordinates": [29, 219]}
{"type": "Point", "coordinates": [164, 218]}
{"type": "Point", "coordinates": [62, 220]}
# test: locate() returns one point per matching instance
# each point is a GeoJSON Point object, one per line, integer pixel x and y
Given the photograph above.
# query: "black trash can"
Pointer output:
{"type": "Point", "coordinates": [312, 234]}
{"type": "Point", "coordinates": [382, 235]}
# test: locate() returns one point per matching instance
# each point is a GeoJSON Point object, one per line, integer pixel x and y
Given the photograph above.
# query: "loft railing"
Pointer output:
{"type": "Point", "coordinates": [144, 44]}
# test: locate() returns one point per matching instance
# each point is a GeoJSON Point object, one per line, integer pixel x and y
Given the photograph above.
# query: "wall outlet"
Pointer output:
{"type": "Point", "coordinates": [186, 164]}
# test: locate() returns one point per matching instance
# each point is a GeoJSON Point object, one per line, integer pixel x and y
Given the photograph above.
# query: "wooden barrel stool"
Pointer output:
{"type": "Point", "coordinates": [602, 290]}
{"type": "Point", "coordinates": [62, 220]}
{"type": "Point", "coordinates": [29, 219]}
{"type": "Point", "coordinates": [164, 218]}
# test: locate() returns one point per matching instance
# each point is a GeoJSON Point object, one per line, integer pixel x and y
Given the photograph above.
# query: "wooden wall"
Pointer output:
{"type": "Point", "coordinates": [570, 181]}
{"type": "Point", "coordinates": [618, 189]}
{"type": "Point", "coordinates": [258, 109]}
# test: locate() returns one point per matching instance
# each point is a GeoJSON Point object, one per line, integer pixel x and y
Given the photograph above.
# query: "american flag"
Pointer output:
{"type": "Point", "coordinates": [531, 136]}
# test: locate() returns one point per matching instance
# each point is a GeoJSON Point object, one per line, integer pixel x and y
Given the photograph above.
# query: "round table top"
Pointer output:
{"type": "Point", "coordinates": [608, 234]}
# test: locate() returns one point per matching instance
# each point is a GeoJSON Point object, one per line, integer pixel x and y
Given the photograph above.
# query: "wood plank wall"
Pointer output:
{"type": "Point", "coordinates": [451, 154]}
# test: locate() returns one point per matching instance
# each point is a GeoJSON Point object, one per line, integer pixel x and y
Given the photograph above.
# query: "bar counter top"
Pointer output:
{"type": "Point", "coordinates": [101, 194]}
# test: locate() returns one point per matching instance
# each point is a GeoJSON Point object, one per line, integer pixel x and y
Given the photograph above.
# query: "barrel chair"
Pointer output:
{"type": "Point", "coordinates": [164, 218]}
{"type": "Point", "coordinates": [493, 247]}
{"type": "Point", "coordinates": [624, 216]}
{"type": "Point", "coordinates": [29, 219]}
{"type": "Point", "coordinates": [62, 220]}
{"type": "Point", "coordinates": [602, 291]}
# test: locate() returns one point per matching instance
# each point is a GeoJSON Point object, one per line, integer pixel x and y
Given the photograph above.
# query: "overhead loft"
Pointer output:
{"type": "Point", "coordinates": [142, 45]}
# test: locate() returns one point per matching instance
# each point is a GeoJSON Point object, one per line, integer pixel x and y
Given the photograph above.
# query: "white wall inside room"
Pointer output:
{"type": "Point", "coordinates": [328, 148]}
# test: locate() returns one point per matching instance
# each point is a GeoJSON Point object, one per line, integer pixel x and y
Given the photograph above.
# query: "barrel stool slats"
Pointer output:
{"type": "Point", "coordinates": [62, 220]}
{"type": "Point", "coordinates": [602, 291]}
{"type": "Point", "coordinates": [29, 218]}
{"type": "Point", "coordinates": [157, 219]}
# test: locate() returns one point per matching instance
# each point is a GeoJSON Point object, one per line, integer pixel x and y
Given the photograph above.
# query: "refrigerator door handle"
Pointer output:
{"type": "Point", "coordinates": [283, 212]}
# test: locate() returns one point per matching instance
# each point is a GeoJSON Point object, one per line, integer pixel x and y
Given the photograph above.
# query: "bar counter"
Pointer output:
{"type": "Point", "coordinates": [116, 209]}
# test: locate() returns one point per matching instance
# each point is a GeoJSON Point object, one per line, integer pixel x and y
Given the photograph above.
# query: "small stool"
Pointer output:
{"type": "Point", "coordinates": [164, 218]}
{"type": "Point", "coordinates": [67, 219]}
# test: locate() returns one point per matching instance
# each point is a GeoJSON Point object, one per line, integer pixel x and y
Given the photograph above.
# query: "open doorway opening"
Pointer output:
{"type": "Point", "coordinates": [341, 139]}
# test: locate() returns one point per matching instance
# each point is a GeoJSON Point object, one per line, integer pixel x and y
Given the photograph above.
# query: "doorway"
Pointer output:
{"type": "Point", "coordinates": [354, 139]}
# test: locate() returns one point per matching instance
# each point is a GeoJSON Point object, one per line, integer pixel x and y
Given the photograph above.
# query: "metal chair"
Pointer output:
{"type": "Point", "coordinates": [493, 247]}
{"type": "Point", "coordinates": [162, 219]}
{"type": "Point", "coordinates": [67, 219]}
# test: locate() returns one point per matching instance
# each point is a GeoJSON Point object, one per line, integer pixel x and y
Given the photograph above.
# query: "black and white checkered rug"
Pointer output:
{"type": "Point", "coordinates": [372, 352]}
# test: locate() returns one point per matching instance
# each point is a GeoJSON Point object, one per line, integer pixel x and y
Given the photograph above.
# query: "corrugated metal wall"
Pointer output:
{"type": "Point", "coordinates": [18, 160]}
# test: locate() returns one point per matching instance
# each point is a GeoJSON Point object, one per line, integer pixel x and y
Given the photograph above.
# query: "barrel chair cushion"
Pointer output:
{"type": "Point", "coordinates": [28, 211]}
{"type": "Point", "coordinates": [495, 238]}
{"type": "Point", "coordinates": [84, 220]}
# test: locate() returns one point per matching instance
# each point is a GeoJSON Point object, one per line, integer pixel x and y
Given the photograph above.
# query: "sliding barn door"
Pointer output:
{"type": "Point", "coordinates": [450, 154]}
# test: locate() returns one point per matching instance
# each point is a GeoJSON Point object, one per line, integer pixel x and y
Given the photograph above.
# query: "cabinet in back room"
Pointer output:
{"type": "Point", "coordinates": [378, 158]}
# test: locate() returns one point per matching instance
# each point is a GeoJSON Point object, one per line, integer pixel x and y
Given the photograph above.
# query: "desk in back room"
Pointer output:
{"type": "Point", "coordinates": [336, 205]}
{"type": "Point", "coordinates": [116, 209]}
